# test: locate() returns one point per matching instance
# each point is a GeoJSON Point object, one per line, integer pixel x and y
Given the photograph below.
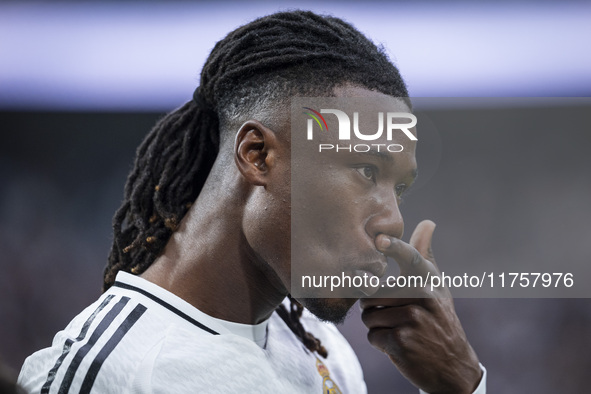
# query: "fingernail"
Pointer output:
{"type": "Point", "coordinates": [383, 242]}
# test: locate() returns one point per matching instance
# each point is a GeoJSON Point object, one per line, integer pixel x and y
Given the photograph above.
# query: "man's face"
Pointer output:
{"type": "Point", "coordinates": [342, 200]}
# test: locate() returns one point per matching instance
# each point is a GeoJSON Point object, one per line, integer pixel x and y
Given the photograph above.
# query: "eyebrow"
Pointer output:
{"type": "Point", "coordinates": [380, 155]}
{"type": "Point", "coordinates": [389, 159]}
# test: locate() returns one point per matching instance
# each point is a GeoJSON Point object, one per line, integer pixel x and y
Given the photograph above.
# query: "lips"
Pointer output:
{"type": "Point", "coordinates": [375, 268]}
{"type": "Point", "coordinates": [369, 271]}
{"type": "Point", "coordinates": [368, 290]}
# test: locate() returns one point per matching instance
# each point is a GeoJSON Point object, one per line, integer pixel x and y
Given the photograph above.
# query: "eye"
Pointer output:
{"type": "Point", "coordinates": [368, 172]}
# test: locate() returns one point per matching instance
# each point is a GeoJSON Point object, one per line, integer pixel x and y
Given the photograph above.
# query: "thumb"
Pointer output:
{"type": "Point", "coordinates": [421, 239]}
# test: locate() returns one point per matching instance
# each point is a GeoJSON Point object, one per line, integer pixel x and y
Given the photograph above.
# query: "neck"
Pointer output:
{"type": "Point", "coordinates": [209, 263]}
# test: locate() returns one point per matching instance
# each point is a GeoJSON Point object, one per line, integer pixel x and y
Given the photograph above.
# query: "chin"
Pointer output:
{"type": "Point", "coordinates": [333, 310]}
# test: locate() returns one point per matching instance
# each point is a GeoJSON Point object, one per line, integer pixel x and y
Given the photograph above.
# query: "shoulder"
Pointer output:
{"type": "Point", "coordinates": [106, 346]}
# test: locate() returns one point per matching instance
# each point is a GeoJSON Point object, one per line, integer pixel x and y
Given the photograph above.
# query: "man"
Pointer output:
{"type": "Point", "coordinates": [201, 259]}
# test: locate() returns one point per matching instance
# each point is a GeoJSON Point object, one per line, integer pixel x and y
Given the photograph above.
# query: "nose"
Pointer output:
{"type": "Point", "coordinates": [386, 217]}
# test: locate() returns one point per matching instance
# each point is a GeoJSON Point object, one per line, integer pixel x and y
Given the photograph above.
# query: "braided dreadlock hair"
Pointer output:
{"type": "Point", "coordinates": [275, 57]}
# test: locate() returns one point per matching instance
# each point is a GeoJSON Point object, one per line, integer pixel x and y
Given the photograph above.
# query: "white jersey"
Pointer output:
{"type": "Point", "coordinates": [140, 338]}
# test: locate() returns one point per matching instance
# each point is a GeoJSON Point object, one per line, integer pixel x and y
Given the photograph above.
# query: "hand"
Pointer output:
{"type": "Point", "coordinates": [422, 335]}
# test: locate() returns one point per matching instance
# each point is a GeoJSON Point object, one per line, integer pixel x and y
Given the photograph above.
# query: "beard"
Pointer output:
{"type": "Point", "coordinates": [333, 310]}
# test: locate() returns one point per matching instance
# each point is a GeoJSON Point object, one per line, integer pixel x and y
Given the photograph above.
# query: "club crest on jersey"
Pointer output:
{"type": "Point", "coordinates": [328, 385]}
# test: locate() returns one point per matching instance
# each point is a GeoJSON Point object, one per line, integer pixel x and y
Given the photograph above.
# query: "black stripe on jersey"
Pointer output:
{"type": "Point", "coordinates": [69, 342]}
{"type": "Point", "coordinates": [131, 319]}
{"type": "Point", "coordinates": [83, 351]}
{"type": "Point", "coordinates": [166, 305]}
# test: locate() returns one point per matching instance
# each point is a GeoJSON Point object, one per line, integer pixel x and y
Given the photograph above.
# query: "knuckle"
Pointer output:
{"type": "Point", "coordinates": [389, 341]}
{"type": "Point", "coordinates": [413, 314]}
{"type": "Point", "coordinates": [400, 340]}
{"type": "Point", "coordinates": [416, 258]}
{"type": "Point", "coordinates": [378, 339]}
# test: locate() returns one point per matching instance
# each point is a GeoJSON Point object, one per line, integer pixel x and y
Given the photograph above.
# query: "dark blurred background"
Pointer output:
{"type": "Point", "coordinates": [82, 83]}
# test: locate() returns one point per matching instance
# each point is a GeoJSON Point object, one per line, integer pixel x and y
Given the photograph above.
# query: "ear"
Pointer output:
{"type": "Point", "coordinates": [254, 150]}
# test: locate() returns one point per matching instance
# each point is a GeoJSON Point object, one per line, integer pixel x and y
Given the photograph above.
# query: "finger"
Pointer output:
{"type": "Point", "coordinates": [421, 239]}
{"type": "Point", "coordinates": [388, 340]}
{"type": "Point", "coordinates": [391, 317]}
{"type": "Point", "coordinates": [410, 261]}
{"type": "Point", "coordinates": [368, 303]}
